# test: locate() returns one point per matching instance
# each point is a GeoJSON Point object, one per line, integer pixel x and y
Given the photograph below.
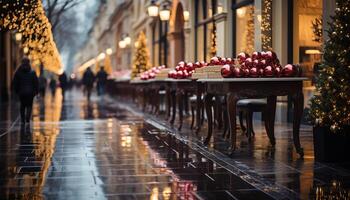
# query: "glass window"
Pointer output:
{"type": "Point", "coordinates": [245, 29]}
{"type": "Point", "coordinates": [307, 35]}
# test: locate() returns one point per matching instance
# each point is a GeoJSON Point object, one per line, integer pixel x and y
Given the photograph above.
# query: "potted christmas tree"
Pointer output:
{"type": "Point", "coordinates": [330, 107]}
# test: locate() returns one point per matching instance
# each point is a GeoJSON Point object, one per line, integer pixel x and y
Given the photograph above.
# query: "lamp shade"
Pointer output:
{"type": "Point", "coordinates": [186, 16]}
{"type": "Point", "coordinates": [164, 14]}
{"type": "Point", "coordinates": [153, 10]}
{"type": "Point", "coordinates": [122, 44]}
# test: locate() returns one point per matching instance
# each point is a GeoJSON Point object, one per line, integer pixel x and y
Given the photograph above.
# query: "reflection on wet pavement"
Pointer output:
{"type": "Point", "coordinates": [107, 150]}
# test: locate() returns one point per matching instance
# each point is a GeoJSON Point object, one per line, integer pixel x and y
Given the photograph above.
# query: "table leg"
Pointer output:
{"type": "Point", "coordinates": [298, 102]}
{"type": "Point", "coordinates": [270, 118]}
{"type": "Point", "coordinates": [231, 111]}
{"type": "Point", "coordinates": [208, 106]}
{"type": "Point", "coordinates": [180, 101]}
{"type": "Point", "coordinates": [173, 102]}
{"type": "Point", "coordinates": [168, 103]}
{"type": "Point", "coordinates": [198, 107]}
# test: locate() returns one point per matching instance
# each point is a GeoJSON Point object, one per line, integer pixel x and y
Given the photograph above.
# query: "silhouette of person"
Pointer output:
{"type": "Point", "coordinates": [26, 86]}
{"type": "Point", "coordinates": [88, 81]}
{"type": "Point", "coordinates": [63, 83]}
{"type": "Point", "coordinates": [101, 81]}
{"type": "Point", "coordinates": [53, 85]}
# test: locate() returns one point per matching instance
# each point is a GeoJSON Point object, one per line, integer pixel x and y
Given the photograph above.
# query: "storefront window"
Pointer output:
{"type": "Point", "coordinates": [205, 10]}
{"type": "Point", "coordinates": [307, 35]}
{"type": "Point", "coordinates": [245, 29]}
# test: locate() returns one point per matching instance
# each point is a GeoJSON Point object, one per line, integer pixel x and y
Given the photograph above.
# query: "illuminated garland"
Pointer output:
{"type": "Point", "coordinates": [266, 24]}
{"type": "Point", "coordinates": [213, 47]}
{"type": "Point", "coordinates": [28, 18]}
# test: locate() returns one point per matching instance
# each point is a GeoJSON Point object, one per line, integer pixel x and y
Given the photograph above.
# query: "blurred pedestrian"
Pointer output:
{"type": "Point", "coordinates": [63, 83]}
{"type": "Point", "coordinates": [42, 85]}
{"type": "Point", "coordinates": [88, 81]}
{"type": "Point", "coordinates": [26, 86]}
{"type": "Point", "coordinates": [53, 85]}
{"type": "Point", "coordinates": [101, 81]}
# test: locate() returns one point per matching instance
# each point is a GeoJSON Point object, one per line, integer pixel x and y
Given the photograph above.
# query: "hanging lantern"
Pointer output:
{"type": "Point", "coordinates": [186, 16]}
{"type": "Point", "coordinates": [153, 9]}
{"type": "Point", "coordinates": [164, 13]}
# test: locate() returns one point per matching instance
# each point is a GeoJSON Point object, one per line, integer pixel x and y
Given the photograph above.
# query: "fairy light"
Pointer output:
{"type": "Point", "coordinates": [266, 25]}
{"type": "Point", "coordinates": [28, 19]}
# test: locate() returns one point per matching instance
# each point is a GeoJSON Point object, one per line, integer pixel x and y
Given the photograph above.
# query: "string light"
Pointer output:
{"type": "Point", "coordinates": [266, 22]}
{"type": "Point", "coordinates": [28, 19]}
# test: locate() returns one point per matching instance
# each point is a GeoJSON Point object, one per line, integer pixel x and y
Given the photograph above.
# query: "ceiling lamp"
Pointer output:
{"type": "Point", "coordinates": [127, 40]}
{"type": "Point", "coordinates": [109, 51]}
{"type": "Point", "coordinates": [241, 12]}
{"type": "Point", "coordinates": [122, 44]}
{"type": "Point", "coordinates": [153, 9]}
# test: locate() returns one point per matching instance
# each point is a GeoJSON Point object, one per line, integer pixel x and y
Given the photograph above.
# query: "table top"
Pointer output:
{"type": "Point", "coordinates": [160, 80]}
{"type": "Point", "coordinates": [252, 79]}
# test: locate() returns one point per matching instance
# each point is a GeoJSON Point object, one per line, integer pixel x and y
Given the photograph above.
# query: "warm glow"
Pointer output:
{"type": "Point", "coordinates": [259, 18]}
{"type": "Point", "coordinates": [153, 10]}
{"type": "Point", "coordinates": [164, 15]}
{"type": "Point", "coordinates": [136, 44]}
{"type": "Point", "coordinates": [220, 9]}
{"type": "Point", "coordinates": [109, 51]}
{"type": "Point", "coordinates": [18, 37]}
{"type": "Point", "coordinates": [312, 51]}
{"type": "Point", "coordinates": [101, 56]}
{"type": "Point", "coordinates": [86, 65]}
{"type": "Point", "coordinates": [186, 15]}
{"type": "Point", "coordinates": [241, 12]}
{"type": "Point", "coordinates": [127, 40]}
{"type": "Point", "coordinates": [122, 44]}
{"type": "Point", "coordinates": [25, 50]}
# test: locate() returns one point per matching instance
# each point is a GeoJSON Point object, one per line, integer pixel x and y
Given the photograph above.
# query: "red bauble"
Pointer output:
{"type": "Point", "coordinates": [179, 74]}
{"type": "Point", "coordinates": [229, 61]}
{"type": "Point", "coordinates": [177, 68]}
{"type": "Point", "coordinates": [242, 57]}
{"type": "Point", "coordinates": [215, 60]}
{"type": "Point", "coordinates": [271, 55]}
{"type": "Point", "coordinates": [238, 72]}
{"type": "Point", "coordinates": [249, 63]}
{"type": "Point", "coordinates": [181, 63]}
{"type": "Point", "coordinates": [256, 63]}
{"type": "Point", "coordinates": [278, 71]}
{"type": "Point", "coordinates": [226, 71]}
{"type": "Point", "coordinates": [152, 75]}
{"type": "Point", "coordinates": [289, 70]}
{"type": "Point", "coordinates": [223, 61]}
{"type": "Point", "coordinates": [262, 63]}
{"type": "Point", "coordinates": [254, 72]}
{"type": "Point", "coordinates": [189, 66]}
{"type": "Point", "coordinates": [196, 65]}
{"type": "Point", "coordinates": [268, 71]}
{"type": "Point", "coordinates": [246, 72]}
{"type": "Point", "coordinates": [256, 55]}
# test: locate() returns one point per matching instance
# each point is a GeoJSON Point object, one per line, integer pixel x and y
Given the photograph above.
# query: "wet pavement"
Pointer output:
{"type": "Point", "coordinates": [108, 149]}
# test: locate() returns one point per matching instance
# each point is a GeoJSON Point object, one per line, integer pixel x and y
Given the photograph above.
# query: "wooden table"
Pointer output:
{"type": "Point", "coordinates": [241, 88]}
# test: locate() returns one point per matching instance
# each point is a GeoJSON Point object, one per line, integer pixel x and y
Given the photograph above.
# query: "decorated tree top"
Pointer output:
{"type": "Point", "coordinates": [28, 19]}
{"type": "Point", "coordinates": [141, 56]}
{"type": "Point", "coordinates": [331, 105]}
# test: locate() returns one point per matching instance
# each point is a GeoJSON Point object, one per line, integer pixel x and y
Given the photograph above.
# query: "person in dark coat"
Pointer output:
{"type": "Point", "coordinates": [101, 81]}
{"type": "Point", "coordinates": [53, 86]}
{"type": "Point", "coordinates": [42, 85]}
{"type": "Point", "coordinates": [88, 81]}
{"type": "Point", "coordinates": [63, 82]}
{"type": "Point", "coordinates": [26, 86]}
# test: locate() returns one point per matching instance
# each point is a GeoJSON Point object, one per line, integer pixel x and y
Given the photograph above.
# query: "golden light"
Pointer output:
{"type": "Point", "coordinates": [136, 44]}
{"type": "Point", "coordinates": [127, 40]}
{"type": "Point", "coordinates": [109, 51]}
{"type": "Point", "coordinates": [25, 50]}
{"type": "Point", "coordinates": [313, 51]}
{"type": "Point", "coordinates": [122, 44]}
{"type": "Point", "coordinates": [18, 37]}
{"type": "Point", "coordinates": [164, 14]}
{"type": "Point", "coordinates": [241, 12]}
{"type": "Point", "coordinates": [87, 64]}
{"type": "Point", "coordinates": [220, 9]}
{"type": "Point", "coordinates": [101, 56]}
{"type": "Point", "coordinates": [72, 76]}
{"type": "Point", "coordinates": [259, 18]}
{"type": "Point", "coordinates": [186, 15]}
{"type": "Point", "coordinates": [153, 9]}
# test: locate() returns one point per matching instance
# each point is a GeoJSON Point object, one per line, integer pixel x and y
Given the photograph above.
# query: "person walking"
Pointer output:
{"type": "Point", "coordinates": [42, 85]}
{"type": "Point", "coordinates": [53, 85]}
{"type": "Point", "coordinates": [88, 81]}
{"type": "Point", "coordinates": [63, 83]}
{"type": "Point", "coordinates": [101, 81]}
{"type": "Point", "coordinates": [26, 85]}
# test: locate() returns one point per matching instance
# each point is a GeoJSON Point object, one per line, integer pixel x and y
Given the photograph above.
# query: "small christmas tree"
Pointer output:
{"type": "Point", "coordinates": [331, 105]}
{"type": "Point", "coordinates": [141, 57]}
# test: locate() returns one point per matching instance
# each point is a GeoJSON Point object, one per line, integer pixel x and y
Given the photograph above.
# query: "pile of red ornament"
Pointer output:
{"type": "Point", "coordinates": [260, 64]}
{"type": "Point", "coordinates": [217, 60]}
{"type": "Point", "coordinates": [185, 70]}
{"type": "Point", "coordinates": [151, 73]}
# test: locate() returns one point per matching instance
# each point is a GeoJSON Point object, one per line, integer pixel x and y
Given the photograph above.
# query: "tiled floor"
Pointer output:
{"type": "Point", "coordinates": [107, 149]}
